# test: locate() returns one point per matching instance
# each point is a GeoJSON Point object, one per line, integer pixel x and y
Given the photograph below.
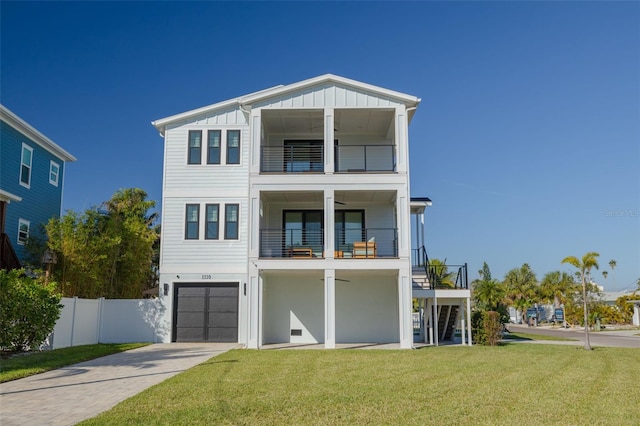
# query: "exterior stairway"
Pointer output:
{"type": "Point", "coordinates": [447, 318]}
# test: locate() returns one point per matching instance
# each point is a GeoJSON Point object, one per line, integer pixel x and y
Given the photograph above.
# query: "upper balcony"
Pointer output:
{"type": "Point", "coordinates": [297, 141]}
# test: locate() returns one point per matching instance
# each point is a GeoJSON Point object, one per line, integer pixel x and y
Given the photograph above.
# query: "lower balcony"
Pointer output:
{"type": "Point", "coordinates": [368, 243]}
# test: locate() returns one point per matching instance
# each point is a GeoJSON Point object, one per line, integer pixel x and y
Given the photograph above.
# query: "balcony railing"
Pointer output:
{"type": "Point", "coordinates": [439, 276]}
{"type": "Point", "coordinates": [292, 159]}
{"type": "Point", "coordinates": [366, 243]}
{"type": "Point", "coordinates": [365, 158]}
{"type": "Point", "coordinates": [299, 243]}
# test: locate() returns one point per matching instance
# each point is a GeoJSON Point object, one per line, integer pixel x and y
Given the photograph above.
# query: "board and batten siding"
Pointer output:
{"type": "Point", "coordinates": [327, 96]}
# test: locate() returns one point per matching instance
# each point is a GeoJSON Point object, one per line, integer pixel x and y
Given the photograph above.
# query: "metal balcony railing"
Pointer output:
{"type": "Point", "coordinates": [292, 159]}
{"type": "Point", "coordinates": [439, 276]}
{"type": "Point", "coordinates": [285, 243]}
{"type": "Point", "coordinates": [366, 243]}
{"type": "Point", "coordinates": [365, 158]}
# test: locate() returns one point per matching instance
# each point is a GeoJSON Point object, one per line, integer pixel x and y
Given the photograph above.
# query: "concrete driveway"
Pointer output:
{"type": "Point", "coordinates": [81, 391]}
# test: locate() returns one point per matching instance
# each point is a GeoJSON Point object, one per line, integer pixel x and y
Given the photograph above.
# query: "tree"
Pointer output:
{"type": "Point", "coordinates": [557, 287]}
{"type": "Point", "coordinates": [108, 251]}
{"type": "Point", "coordinates": [488, 293]}
{"type": "Point", "coordinates": [612, 265]}
{"type": "Point", "coordinates": [439, 275]}
{"type": "Point", "coordinates": [584, 266]}
{"type": "Point", "coordinates": [604, 274]}
{"type": "Point", "coordinates": [521, 287]}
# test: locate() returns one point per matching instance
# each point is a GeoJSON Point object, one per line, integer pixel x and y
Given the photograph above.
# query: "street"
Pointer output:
{"type": "Point", "coordinates": [621, 339]}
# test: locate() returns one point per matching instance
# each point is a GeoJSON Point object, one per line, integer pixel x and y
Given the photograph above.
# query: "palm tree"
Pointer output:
{"type": "Point", "coordinates": [521, 288]}
{"type": "Point", "coordinates": [604, 274]}
{"type": "Point", "coordinates": [612, 265]}
{"type": "Point", "coordinates": [488, 293]}
{"type": "Point", "coordinates": [584, 265]}
{"type": "Point", "coordinates": [556, 286]}
{"type": "Point", "coordinates": [439, 275]}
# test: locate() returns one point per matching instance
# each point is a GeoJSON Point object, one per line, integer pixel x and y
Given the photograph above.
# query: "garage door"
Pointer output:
{"type": "Point", "coordinates": [206, 313]}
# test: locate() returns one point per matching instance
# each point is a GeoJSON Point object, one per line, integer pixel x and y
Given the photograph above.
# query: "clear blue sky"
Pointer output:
{"type": "Point", "coordinates": [527, 139]}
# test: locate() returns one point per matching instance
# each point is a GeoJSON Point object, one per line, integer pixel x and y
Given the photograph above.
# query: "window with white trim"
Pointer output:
{"type": "Point", "coordinates": [54, 173]}
{"type": "Point", "coordinates": [231, 221]}
{"type": "Point", "coordinates": [213, 146]}
{"type": "Point", "coordinates": [194, 155]}
{"type": "Point", "coordinates": [233, 146]}
{"type": "Point", "coordinates": [25, 165]}
{"type": "Point", "coordinates": [192, 222]}
{"type": "Point", "coordinates": [211, 221]}
{"type": "Point", "coordinates": [23, 231]}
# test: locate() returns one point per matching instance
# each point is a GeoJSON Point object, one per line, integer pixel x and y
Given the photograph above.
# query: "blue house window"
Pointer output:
{"type": "Point", "coordinates": [25, 165]}
{"type": "Point", "coordinates": [23, 231]}
{"type": "Point", "coordinates": [54, 173]}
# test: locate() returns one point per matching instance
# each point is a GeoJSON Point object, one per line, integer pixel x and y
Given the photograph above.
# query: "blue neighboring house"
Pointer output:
{"type": "Point", "coordinates": [31, 181]}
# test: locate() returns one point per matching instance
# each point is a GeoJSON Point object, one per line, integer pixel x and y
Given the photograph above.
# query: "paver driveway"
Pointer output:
{"type": "Point", "coordinates": [81, 391]}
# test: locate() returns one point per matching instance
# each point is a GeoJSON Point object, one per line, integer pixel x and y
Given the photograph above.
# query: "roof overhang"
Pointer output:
{"type": "Point", "coordinates": [419, 204]}
{"type": "Point", "coordinates": [30, 132]}
{"type": "Point", "coordinates": [245, 102]}
{"type": "Point", "coordinates": [9, 197]}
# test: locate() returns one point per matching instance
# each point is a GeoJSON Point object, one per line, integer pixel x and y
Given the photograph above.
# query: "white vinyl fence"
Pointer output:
{"type": "Point", "coordinates": [90, 321]}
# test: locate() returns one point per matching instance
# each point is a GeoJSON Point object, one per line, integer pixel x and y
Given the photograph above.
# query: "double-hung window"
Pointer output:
{"type": "Point", "coordinates": [54, 173]}
{"type": "Point", "coordinates": [231, 222]}
{"type": "Point", "coordinates": [213, 147]}
{"type": "Point", "coordinates": [195, 147]}
{"type": "Point", "coordinates": [23, 231]}
{"type": "Point", "coordinates": [25, 165]}
{"type": "Point", "coordinates": [233, 146]}
{"type": "Point", "coordinates": [212, 221]}
{"type": "Point", "coordinates": [192, 222]}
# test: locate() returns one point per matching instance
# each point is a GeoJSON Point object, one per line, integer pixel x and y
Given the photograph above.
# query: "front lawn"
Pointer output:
{"type": "Point", "coordinates": [28, 364]}
{"type": "Point", "coordinates": [509, 384]}
{"type": "Point", "coordinates": [530, 336]}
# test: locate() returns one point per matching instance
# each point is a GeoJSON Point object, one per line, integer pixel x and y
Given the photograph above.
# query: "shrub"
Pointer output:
{"type": "Point", "coordinates": [29, 309]}
{"type": "Point", "coordinates": [492, 327]}
{"type": "Point", "coordinates": [487, 327]}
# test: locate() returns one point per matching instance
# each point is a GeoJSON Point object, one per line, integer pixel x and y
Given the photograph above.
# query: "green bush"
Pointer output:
{"type": "Point", "coordinates": [487, 327]}
{"type": "Point", "coordinates": [29, 309]}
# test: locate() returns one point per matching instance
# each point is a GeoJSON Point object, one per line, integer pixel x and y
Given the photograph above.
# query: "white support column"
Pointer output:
{"type": "Point", "coordinates": [404, 309]}
{"type": "Point", "coordinates": [254, 224]}
{"type": "Point", "coordinates": [253, 308]}
{"type": "Point", "coordinates": [329, 157]}
{"type": "Point", "coordinates": [463, 331]}
{"type": "Point", "coordinates": [468, 302]}
{"type": "Point", "coordinates": [255, 141]}
{"type": "Point", "coordinates": [428, 337]}
{"type": "Point", "coordinates": [402, 140]}
{"type": "Point", "coordinates": [329, 309]}
{"type": "Point", "coordinates": [436, 314]}
{"type": "Point", "coordinates": [329, 227]}
{"type": "Point", "coordinates": [403, 225]}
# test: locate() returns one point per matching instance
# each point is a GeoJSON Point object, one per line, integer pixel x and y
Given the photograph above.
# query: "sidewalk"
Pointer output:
{"type": "Point", "coordinates": [81, 391]}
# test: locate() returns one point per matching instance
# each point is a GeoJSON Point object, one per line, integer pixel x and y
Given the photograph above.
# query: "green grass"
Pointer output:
{"type": "Point", "coordinates": [528, 336]}
{"type": "Point", "coordinates": [23, 365]}
{"type": "Point", "coordinates": [513, 383]}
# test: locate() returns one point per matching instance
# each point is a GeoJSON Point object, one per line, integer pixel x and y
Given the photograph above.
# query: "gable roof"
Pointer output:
{"type": "Point", "coordinates": [30, 132]}
{"type": "Point", "coordinates": [245, 102]}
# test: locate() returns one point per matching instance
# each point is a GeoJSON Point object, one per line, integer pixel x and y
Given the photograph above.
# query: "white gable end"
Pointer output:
{"type": "Point", "coordinates": [327, 96]}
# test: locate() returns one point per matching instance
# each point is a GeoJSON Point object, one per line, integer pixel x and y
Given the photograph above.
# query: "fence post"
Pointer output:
{"type": "Point", "coordinates": [100, 314]}
{"type": "Point", "coordinates": [73, 320]}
